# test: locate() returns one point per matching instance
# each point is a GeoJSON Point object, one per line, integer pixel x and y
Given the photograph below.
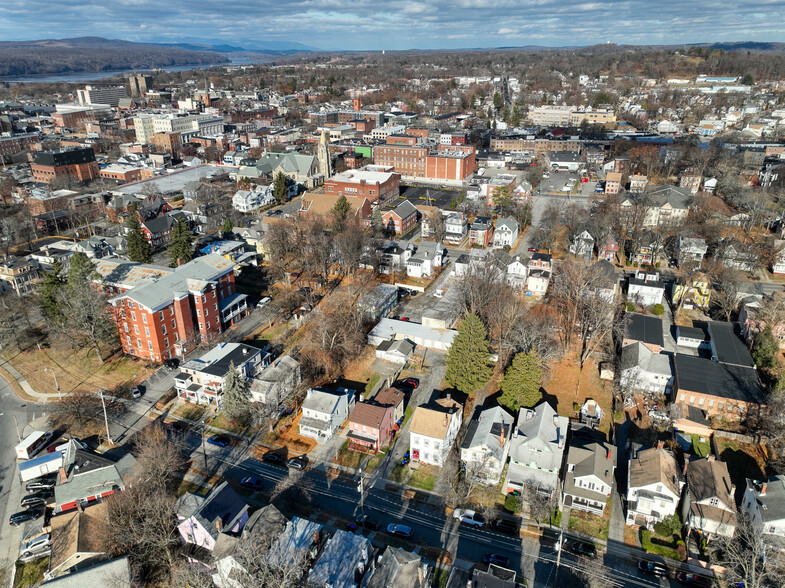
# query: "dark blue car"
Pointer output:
{"type": "Point", "coordinates": [219, 440]}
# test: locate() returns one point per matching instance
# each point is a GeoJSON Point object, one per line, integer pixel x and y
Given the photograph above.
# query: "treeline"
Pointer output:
{"type": "Point", "coordinates": [33, 60]}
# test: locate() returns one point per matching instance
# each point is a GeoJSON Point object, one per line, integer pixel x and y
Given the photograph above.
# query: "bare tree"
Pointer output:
{"type": "Point", "coordinates": [158, 459]}
{"type": "Point", "coordinates": [85, 407]}
{"type": "Point", "coordinates": [748, 556]}
{"type": "Point", "coordinates": [538, 501]}
{"type": "Point", "coordinates": [594, 573]}
{"type": "Point", "coordinates": [726, 292]}
{"type": "Point", "coordinates": [294, 489]}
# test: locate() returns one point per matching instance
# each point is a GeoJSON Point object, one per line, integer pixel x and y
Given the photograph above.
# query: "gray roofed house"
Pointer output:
{"type": "Point", "coordinates": [505, 232]}
{"type": "Point", "coordinates": [589, 476]}
{"type": "Point", "coordinates": [764, 502]}
{"type": "Point", "coordinates": [665, 205]}
{"type": "Point", "coordinates": [536, 449]}
{"type": "Point", "coordinates": [343, 561]}
{"type": "Point", "coordinates": [485, 445]}
{"type": "Point", "coordinates": [201, 521]}
{"type": "Point", "coordinates": [395, 350]}
{"type": "Point", "coordinates": [690, 251]}
{"type": "Point", "coordinates": [582, 245]}
{"type": "Point", "coordinates": [323, 411]}
{"type": "Point", "coordinates": [398, 568]}
{"type": "Point", "coordinates": [294, 542]}
{"type": "Point", "coordinates": [89, 477]}
{"type": "Point", "coordinates": [277, 381]}
{"type": "Point", "coordinates": [646, 288]}
{"type": "Point", "coordinates": [379, 302]}
{"type": "Point", "coordinates": [642, 369]}
{"type": "Point", "coordinates": [115, 573]}
{"type": "Point", "coordinates": [710, 507]}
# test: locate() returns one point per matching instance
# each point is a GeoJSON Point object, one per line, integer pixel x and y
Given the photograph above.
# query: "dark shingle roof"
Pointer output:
{"type": "Point", "coordinates": [728, 345]}
{"type": "Point", "coordinates": [717, 379]}
{"type": "Point", "coordinates": [644, 328]}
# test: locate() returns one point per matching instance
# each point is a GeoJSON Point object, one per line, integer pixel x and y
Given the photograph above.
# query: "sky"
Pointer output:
{"type": "Point", "coordinates": [398, 24]}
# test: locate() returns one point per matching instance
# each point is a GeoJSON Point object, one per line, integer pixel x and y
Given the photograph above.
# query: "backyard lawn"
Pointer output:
{"type": "Point", "coordinates": [665, 546]}
{"type": "Point", "coordinates": [569, 384]}
{"type": "Point", "coordinates": [744, 461]}
{"type": "Point", "coordinates": [700, 448]}
{"type": "Point", "coordinates": [30, 573]}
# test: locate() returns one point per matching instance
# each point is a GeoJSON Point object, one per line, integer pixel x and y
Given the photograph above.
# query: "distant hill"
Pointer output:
{"type": "Point", "coordinates": [94, 54]}
{"type": "Point", "coordinates": [265, 47]}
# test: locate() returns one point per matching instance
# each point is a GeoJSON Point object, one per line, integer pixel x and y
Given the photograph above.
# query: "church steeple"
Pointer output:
{"type": "Point", "coordinates": [323, 157]}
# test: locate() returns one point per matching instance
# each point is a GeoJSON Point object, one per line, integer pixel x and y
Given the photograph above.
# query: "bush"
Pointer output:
{"type": "Point", "coordinates": [630, 307]}
{"type": "Point", "coordinates": [657, 265]}
{"type": "Point", "coordinates": [628, 263]}
{"type": "Point", "coordinates": [512, 503]}
{"type": "Point", "coordinates": [658, 309]}
{"type": "Point", "coordinates": [506, 248]}
{"type": "Point", "coordinates": [635, 264]}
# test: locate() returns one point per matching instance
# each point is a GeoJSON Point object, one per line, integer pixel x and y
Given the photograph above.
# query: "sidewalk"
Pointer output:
{"type": "Point", "coordinates": [25, 385]}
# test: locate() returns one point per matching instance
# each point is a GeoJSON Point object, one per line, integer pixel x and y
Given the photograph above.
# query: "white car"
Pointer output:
{"type": "Point", "coordinates": [136, 392]}
{"type": "Point", "coordinates": [438, 294]}
{"type": "Point", "coordinates": [469, 517]}
{"type": "Point", "coordinates": [40, 543]}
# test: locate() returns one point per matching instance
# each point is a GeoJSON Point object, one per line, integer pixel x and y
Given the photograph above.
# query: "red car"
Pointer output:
{"type": "Point", "coordinates": [405, 319]}
{"type": "Point", "coordinates": [688, 579]}
{"type": "Point", "coordinates": [413, 383]}
{"type": "Point", "coordinates": [533, 250]}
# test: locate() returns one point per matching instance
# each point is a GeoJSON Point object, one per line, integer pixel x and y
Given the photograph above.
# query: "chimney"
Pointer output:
{"type": "Point", "coordinates": [660, 444]}
{"type": "Point", "coordinates": [710, 457]}
{"type": "Point", "coordinates": [446, 420]}
{"type": "Point", "coordinates": [63, 476]}
{"type": "Point", "coordinates": [763, 489]}
{"type": "Point", "coordinates": [502, 436]}
{"type": "Point", "coordinates": [609, 454]}
{"type": "Point", "coordinates": [219, 524]}
{"type": "Point", "coordinates": [448, 396]}
{"type": "Point", "coordinates": [686, 464]}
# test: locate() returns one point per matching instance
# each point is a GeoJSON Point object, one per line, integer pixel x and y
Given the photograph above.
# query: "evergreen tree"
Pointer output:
{"type": "Point", "coordinates": [49, 295]}
{"type": "Point", "coordinates": [236, 396]}
{"type": "Point", "coordinates": [228, 226]}
{"type": "Point", "coordinates": [515, 117]}
{"type": "Point", "coordinates": [521, 383]}
{"type": "Point", "coordinates": [341, 213]}
{"type": "Point", "coordinates": [181, 248]}
{"type": "Point", "coordinates": [280, 189]}
{"type": "Point", "coordinates": [467, 361]}
{"type": "Point", "coordinates": [376, 221]}
{"type": "Point", "coordinates": [765, 349]}
{"type": "Point", "coordinates": [80, 271]}
{"type": "Point", "coordinates": [498, 102]}
{"type": "Point", "coordinates": [136, 244]}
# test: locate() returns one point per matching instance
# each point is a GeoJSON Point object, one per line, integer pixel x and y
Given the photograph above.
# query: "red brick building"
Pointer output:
{"type": "Point", "coordinates": [400, 219]}
{"type": "Point", "coordinates": [321, 205]}
{"type": "Point", "coordinates": [413, 161]}
{"type": "Point", "coordinates": [376, 183]}
{"type": "Point", "coordinates": [10, 146]}
{"type": "Point", "coordinates": [168, 143]}
{"type": "Point", "coordinates": [75, 164]}
{"type": "Point", "coordinates": [121, 173]}
{"type": "Point", "coordinates": [163, 313]}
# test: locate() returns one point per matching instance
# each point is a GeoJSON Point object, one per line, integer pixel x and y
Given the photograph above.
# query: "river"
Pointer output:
{"type": "Point", "coordinates": [86, 76]}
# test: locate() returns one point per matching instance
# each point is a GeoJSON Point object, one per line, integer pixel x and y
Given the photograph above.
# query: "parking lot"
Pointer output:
{"type": "Point", "coordinates": [441, 198]}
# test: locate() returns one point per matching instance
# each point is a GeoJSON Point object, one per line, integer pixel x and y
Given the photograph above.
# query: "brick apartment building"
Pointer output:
{"type": "Point", "coordinates": [162, 312]}
{"type": "Point", "coordinates": [121, 173]}
{"type": "Point", "coordinates": [10, 146]}
{"type": "Point", "coordinates": [77, 164]}
{"type": "Point", "coordinates": [415, 161]}
{"type": "Point", "coordinates": [347, 116]}
{"type": "Point", "coordinates": [533, 144]}
{"type": "Point", "coordinates": [168, 143]}
{"type": "Point", "coordinates": [376, 183]}
{"type": "Point", "coordinates": [73, 118]}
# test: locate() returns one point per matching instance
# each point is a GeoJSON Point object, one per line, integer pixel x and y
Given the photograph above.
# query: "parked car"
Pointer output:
{"type": "Point", "coordinates": [439, 293]}
{"type": "Point", "coordinates": [505, 526]}
{"type": "Point", "coordinates": [399, 530]}
{"type": "Point", "coordinates": [405, 319]}
{"type": "Point", "coordinates": [42, 484]}
{"type": "Point", "coordinates": [24, 516]}
{"type": "Point", "coordinates": [533, 250]}
{"type": "Point", "coordinates": [369, 522]}
{"type": "Point", "coordinates": [273, 458]}
{"type": "Point", "coordinates": [407, 384]}
{"type": "Point", "coordinates": [497, 560]}
{"type": "Point", "coordinates": [584, 548]}
{"type": "Point", "coordinates": [405, 459]}
{"type": "Point", "coordinates": [136, 392]}
{"type": "Point", "coordinates": [220, 440]}
{"type": "Point", "coordinates": [688, 579]}
{"type": "Point", "coordinates": [35, 499]}
{"type": "Point", "coordinates": [653, 569]}
{"type": "Point", "coordinates": [171, 364]}
{"type": "Point", "coordinates": [469, 517]}
{"type": "Point", "coordinates": [252, 483]}
{"type": "Point", "coordinates": [40, 542]}
{"type": "Point", "coordinates": [298, 462]}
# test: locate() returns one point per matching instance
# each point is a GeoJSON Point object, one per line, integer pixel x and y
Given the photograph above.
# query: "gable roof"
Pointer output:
{"type": "Point", "coordinates": [433, 420]}
{"type": "Point", "coordinates": [492, 429]}
{"type": "Point", "coordinates": [390, 396]}
{"type": "Point", "coordinates": [709, 478]}
{"type": "Point", "coordinates": [369, 414]}
{"type": "Point", "coordinates": [540, 437]}
{"type": "Point", "coordinates": [115, 573]}
{"type": "Point", "coordinates": [78, 532]}
{"type": "Point", "coordinates": [643, 327]}
{"type": "Point", "coordinates": [405, 209]}
{"type": "Point", "coordinates": [507, 223]}
{"type": "Point", "coordinates": [655, 466]}
{"type": "Point", "coordinates": [771, 505]}
{"type": "Point", "coordinates": [638, 355]}
{"type": "Point", "coordinates": [324, 401]}
{"type": "Point", "coordinates": [675, 196]}
{"type": "Point", "coordinates": [396, 567]}
{"type": "Point", "coordinates": [223, 504]}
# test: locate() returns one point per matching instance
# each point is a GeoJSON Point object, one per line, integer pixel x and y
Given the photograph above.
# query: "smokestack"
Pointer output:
{"type": "Point", "coordinates": [763, 489]}
{"type": "Point", "coordinates": [219, 524]}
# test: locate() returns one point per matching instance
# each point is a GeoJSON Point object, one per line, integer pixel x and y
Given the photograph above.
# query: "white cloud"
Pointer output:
{"type": "Point", "coordinates": [506, 31]}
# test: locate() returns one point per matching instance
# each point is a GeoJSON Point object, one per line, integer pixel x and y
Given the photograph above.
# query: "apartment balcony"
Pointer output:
{"type": "Point", "coordinates": [233, 308]}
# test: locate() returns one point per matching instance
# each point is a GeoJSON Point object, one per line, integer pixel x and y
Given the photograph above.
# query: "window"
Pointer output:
{"type": "Point", "coordinates": [136, 329]}
{"type": "Point", "coordinates": [144, 318]}
{"type": "Point", "coordinates": [701, 401]}
{"type": "Point", "coordinates": [163, 327]}
{"type": "Point", "coordinates": [215, 306]}
{"type": "Point", "coordinates": [174, 325]}
{"type": "Point", "coordinates": [720, 405]}
{"type": "Point", "coordinates": [131, 304]}
{"type": "Point", "coordinates": [138, 342]}
{"type": "Point", "coordinates": [692, 398]}
{"type": "Point", "coordinates": [133, 315]}
{"type": "Point", "coordinates": [171, 311]}
{"type": "Point", "coordinates": [125, 327]}
{"type": "Point", "coordinates": [166, 341]}
{"type": "Point", "coordinates": [711, 402]}
{"type": "Point", "coordinates": [161, 315]}
{"type": "Point", "coordinates": [198, 312]}
{"type": "Point", "coordinates": [150, 345]}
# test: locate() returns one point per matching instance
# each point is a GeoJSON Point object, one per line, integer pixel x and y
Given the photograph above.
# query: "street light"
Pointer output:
{"type": "Point", "coordinates": [204, 449]}
{"type": "Point", "coordinates": [106, 419]}
{"type": "Point", "coordinates": [361, 490]}
{"type": "Point", "coordinates": [57, 387]}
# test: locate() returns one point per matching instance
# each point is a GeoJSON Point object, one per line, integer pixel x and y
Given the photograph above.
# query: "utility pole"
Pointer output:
{"type": "Point", "coordinates": [57, 386]}
{"type": "Point", "coordinates": [106, 419]}
{"type": "Point", "coordinates": [361, 490]}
